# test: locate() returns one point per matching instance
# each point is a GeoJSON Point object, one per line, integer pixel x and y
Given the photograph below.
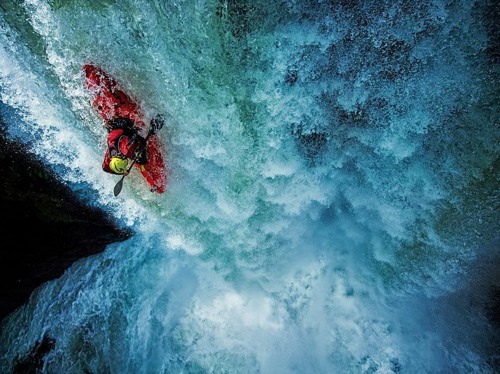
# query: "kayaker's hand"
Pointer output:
{"type": "Point", "coordinates": [156, 124]}
{"type": "Point", "coordinates": [141, 156]}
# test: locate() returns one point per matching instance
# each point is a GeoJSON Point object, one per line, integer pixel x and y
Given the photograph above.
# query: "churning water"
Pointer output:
{"type": "Point", "coordinates": [332, 204]}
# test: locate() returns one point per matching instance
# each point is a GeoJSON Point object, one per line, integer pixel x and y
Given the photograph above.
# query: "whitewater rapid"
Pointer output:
{"type": "Point", "coordinates": [331, 204]}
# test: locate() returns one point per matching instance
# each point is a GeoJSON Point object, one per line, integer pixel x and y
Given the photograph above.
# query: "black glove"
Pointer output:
{"type": "Point", "coordinates": [141, 156]}
{"type": "Point", "coordinates": [156, 124]}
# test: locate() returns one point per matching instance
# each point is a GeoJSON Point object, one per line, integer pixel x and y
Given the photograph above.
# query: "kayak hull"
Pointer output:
{"type": "Point", "coordinates": [110, 102]}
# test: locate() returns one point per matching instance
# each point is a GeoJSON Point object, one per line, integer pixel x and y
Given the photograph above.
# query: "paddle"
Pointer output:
{"type": "Point", "coordinates": [119, 185]}
{"type": "Point", "coordinates": [156, 124]}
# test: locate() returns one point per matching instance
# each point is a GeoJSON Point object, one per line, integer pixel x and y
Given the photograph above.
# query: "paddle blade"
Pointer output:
{"type": "Point", "coordinates": [118, 187]}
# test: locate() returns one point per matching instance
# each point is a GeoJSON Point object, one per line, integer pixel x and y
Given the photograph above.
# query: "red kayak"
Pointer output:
{"type": "Point", "coordinates": [111, 102]}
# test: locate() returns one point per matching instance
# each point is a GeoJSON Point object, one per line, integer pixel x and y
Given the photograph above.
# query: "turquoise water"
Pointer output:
{"type": "Point", "coordinates": [332, 204]}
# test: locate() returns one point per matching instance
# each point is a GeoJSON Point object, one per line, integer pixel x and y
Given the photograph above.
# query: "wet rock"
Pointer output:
{"type": "Point", "coordinates": [44, 227]}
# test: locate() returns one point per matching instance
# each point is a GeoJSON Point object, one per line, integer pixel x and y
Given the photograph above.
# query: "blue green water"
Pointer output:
{"type": "Point", "coordinates": [332, 204]}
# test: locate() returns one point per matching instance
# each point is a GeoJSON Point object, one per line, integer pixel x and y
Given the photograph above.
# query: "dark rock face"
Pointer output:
{"type": "Point", "coordinates": [44, 227]}
{"type": "Point", "coordinates": [33, 361]}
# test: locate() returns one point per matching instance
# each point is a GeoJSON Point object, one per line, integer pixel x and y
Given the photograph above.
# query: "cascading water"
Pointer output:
{"type": "Point", "coordinates": [332, 200]}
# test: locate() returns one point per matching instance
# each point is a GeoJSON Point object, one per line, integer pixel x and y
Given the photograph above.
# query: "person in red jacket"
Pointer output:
{"type": "Point", "coordinates": [125, 142]}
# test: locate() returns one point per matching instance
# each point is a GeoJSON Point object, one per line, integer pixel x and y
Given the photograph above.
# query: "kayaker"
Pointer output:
{"type": "Point", "coordinates": [125, 142]}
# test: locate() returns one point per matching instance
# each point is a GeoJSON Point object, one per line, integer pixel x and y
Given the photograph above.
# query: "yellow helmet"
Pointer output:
{"type": "Point", "coordinates": [118, 165]}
